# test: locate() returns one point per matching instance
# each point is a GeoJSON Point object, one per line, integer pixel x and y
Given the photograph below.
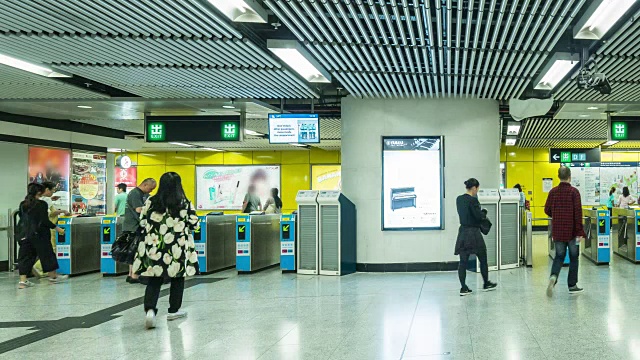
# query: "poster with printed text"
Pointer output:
{"type": "Point", "coordinates": [326, 177]}
{"type": "Point", "coordinates": [587, 180]}
{"type": "Point", "coordinates": [89, 183]}
{"type": "Point", "coordinates": [225, 187]}
{"type": "Point", "coordinates": [48, 164]}
{"type": "Point", "coordinates": [618, 176]}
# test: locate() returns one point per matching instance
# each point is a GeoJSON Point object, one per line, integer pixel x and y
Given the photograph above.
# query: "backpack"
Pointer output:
{"type": "Point", "coordinates": [21, 229]}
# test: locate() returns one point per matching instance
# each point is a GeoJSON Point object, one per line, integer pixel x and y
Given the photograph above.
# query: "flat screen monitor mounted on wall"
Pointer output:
{"type": "Point", "coordinates": [412, 183]}
{"type": "Point", "coordinates": [294, 128]}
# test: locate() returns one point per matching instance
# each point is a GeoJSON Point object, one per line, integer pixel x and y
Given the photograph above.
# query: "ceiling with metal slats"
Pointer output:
{"type": "Point", "coordinates": [619, 60]}
{"type": "Point", "coordinates": [155, 49]}
{"type": "Point", "coordinates": [547, 132]}
{"type": "Point", "coordinates": [488, 49]}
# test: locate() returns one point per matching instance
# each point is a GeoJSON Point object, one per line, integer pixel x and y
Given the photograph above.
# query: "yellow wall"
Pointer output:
{"type": "Point", "coordinates": [528, 167]}
{"type": "Point", "coordinates": [295, 167]}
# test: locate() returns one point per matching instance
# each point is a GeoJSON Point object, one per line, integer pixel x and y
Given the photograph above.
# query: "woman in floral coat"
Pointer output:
{"type": "Point", "coordinates": [168, 250]}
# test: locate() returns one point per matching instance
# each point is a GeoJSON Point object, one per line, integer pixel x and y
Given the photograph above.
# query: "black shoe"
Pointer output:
{"type": "Point", "coordinates": [131, 280]}
{"type": "Point", "coordinates": [465, 292]}
{"type": "Point", "coordinates": [575, 290]}
{"type": "Point", "coordinates": [489, 286]}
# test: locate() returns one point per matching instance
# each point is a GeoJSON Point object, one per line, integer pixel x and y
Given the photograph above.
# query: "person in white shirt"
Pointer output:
{"type": "Point", "coordinates": [626, 199]}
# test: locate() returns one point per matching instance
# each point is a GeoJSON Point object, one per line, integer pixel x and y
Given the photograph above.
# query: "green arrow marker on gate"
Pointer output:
{"type": "Point", "coordinates": [601, 222]}
{"type": "Point", "coordinates": [285, 227]}
{"type": "Point", "coordinates": [241, 228]}
{"type": "Point", "coordinates": [107, 231]}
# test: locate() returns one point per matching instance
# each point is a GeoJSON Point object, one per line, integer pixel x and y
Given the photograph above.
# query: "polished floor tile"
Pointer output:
{"type": "Point", "coordinates": [392, 316]}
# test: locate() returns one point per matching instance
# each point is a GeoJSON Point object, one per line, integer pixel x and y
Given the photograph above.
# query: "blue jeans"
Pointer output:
{"type": "Point", "coordinates": [558, 261]}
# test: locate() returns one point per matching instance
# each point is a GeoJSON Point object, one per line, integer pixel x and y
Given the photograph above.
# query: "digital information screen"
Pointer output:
{"type": "Point", "coordinates": [294, 128]}
{"type": "Point", "coordinates": [412, 183]}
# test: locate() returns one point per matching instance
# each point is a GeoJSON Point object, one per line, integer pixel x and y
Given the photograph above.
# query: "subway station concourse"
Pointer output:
{"type": "Point", "coordinates": [313, 172]}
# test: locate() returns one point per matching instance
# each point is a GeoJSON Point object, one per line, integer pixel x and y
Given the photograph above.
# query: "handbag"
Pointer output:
{"type": "Point", "coordinates": [485, 226]}
{"type": "Point", "coordinates": [125, 247]}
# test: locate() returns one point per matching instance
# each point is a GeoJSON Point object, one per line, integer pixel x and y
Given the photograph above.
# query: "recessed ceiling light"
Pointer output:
{"type": "Point", "coordinates": [32, 68]}
{"type": "Point", "coordinates": [85, 107]}
{"type": "Point", "coordinates": [510, 140]}
{"type": "Point", "coordinates": [600, 17]}
{"type": "Point", "coordinates": [559, 66]}
{"type": "Point", "coordinates": [242, 10]}
{"type": "Point", "coordinates": [299, 145]}
{"type": "Point", "coordinates": [228, 106]}
{"type": "Point", "coordinates": [609, 143]}
{"type": "Point", "coordinates": [584, 115]}
{"type": "Point", "coordinates": [181, 144]}
{"type": "Point", "coordinates": [211, 149]}
{"type": "Point", "coordinates": [592, 108]}
{"type": "Point", "coordinates": [252, 133]}
{"type": "Point", "coordinates": [297, 57]}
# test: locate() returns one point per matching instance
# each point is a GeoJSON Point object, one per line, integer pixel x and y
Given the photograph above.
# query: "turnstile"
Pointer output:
{"type": "Point", "coordinates": [216, 242]}
{"type": "Point", "coordinates": [489, 200]}
{"type": "Point", "coordinates": [337, 234]}
{"type": "Point", "coordinates": [288, 243]}
{"type": "Point", "coordinates": [597, 236]}
{"type": "Point", "coordinates": [509, 229]}
{"type": "Point", "coordinates": [78, 249]}
{"type": "Point", "coordinates": [307, 232]}
{"type": "Point", "coordinates": [625, 234]}
{"type": "Point", "coordinates": [110, 229]}
{"type": "Point", "coordinates": [257, 242]}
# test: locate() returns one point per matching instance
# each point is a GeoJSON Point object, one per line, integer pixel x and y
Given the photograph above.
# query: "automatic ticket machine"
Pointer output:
{"type": "Point", "coordinates": [489, 200]}
{"type": "Point", "coordinates": [258, 244]}
{"type": "Point", "coordinates": [79, 249]}
{"type": "Point", "coordinates": [597, 228]}
{"type": "Point", "coordinates": [308, 236]}
{"type": "Point", "coordinates": [110, 229]}
{"type": "Point", "coordinates": [625, 234]}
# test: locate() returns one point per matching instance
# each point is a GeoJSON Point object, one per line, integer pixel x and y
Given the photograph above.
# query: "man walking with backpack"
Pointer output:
{"type": "Point", "coordinates": [564, 207]}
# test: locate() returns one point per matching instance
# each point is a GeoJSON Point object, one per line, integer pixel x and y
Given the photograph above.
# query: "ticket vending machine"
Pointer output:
{"type": "Point", "coordinates": [489, 200]}
{"type": "Point", "coordinates": [288, 243]}
{"type": "Point", "coordinates": [110, 228]}
{"type": "Point", "coordinates": [307, 223]}
{"type": "Point", "coordinates": [243, 243]}
{"type": "Point", "coordinates": [509, 229]}
{"type": "Point", "coordinates": [337, 234]}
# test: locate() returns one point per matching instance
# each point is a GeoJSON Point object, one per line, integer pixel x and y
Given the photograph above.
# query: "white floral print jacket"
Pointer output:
{"type": "Point", "coordinates": [168, 249]}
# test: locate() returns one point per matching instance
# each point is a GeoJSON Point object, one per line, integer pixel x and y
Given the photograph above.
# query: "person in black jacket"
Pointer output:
{"type": "Point", "coordinates": [35, 242]}
{"type": "Point", "coordinates": [470, 239]}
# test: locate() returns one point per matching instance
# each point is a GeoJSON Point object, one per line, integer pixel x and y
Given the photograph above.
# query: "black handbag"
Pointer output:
{"type": "Point", "coordinates": [485, 226]}
{"type": "Point", "coordinates": [125, 247]}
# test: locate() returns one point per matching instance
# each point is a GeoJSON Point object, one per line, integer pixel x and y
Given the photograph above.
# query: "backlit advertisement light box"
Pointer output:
{"type": "Point", "coordinates": [294, 128]}
{"type": "Point", "coordinates": [412, 183]}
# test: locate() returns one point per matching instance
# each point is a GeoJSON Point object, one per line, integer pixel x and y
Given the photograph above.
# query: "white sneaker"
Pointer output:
{"type": "Point", "coordinates": [25, 284]}
{"type": "Point", "coordinates": [177, 315]}
{"type": "Point", "coordinates": [552, 284]}
{"type": "Point", "coordinates": [59, 279]}
{"type": "Point", "coordinates": [150, 320]}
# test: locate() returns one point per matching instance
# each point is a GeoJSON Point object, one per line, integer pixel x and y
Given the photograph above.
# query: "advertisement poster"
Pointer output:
{"type": "Point", "coordinates": [47, 164]}
{"type": "Point", "coordinates": [89, 183]}
{"type": "Point", "coordinates": [586, 178]}
{"type": "Point", "coordinates": [127, 176]}
{"type": "Point", "coordinates": [294, 128]}
{"type": "Point", "coordinates": [412, 183]}
{"type": "Point", "coordinates": [224, 187]}
{"type": "Point", "coordinates": [326, 177]}
{"type": "Point", "coordinates": [618, 175]}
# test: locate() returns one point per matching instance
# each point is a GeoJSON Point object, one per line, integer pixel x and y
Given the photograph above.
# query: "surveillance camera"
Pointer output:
{"type": "Point", "coordinates": [604, 87]}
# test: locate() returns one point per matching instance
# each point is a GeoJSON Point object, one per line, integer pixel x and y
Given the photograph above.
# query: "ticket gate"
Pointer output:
{"type": "Point", "coordinates": [288, 243]}
{"type": "Point", "coordinates": [110, 229]}
{"type": "Point", "coordinates": [216, 242]}
{"type": "Point", "coordinates": [625, 234]}
{"type": "Point", "coordinates": [489, 200]}
{"type": "Point", "coordinates": [597, 236]}
{"type": "Point", "coordinates": [257, 242]}
{"type": "Point", "coordinates": [78, 249]}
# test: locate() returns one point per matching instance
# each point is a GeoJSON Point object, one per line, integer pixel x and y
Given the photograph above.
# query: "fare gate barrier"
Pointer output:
{"type": "Point", "coordinates": [288, 243]}
{"type": "Point", "coordinates": [625, 234]}
{"type": "Point", "coordinates": [79, 249]}
{"type": "Point", "coordinates": [110, 229]}
{"type": "Point", "coordinates": [215, 242]}
{"type": "Point", "coordinates": [597, 228]}
{"type": "Point", "coordinates": [258, 244]}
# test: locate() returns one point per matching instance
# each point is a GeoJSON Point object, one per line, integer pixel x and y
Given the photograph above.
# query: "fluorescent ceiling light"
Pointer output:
{"type": "Point", "coordinates": [32, 68]}
{"type": "Point", "coordinates": [211, 149]}
{"type": "Point", "coordinates": [513, 128]}
{"type": "Point", "coordinates": [181, 144]}
{"type": "Point", "coordinates": [610, 143]}
{"type": "Point", "coordinates": [298, 145]}
{"type": "Point", "coordinates": [600, 18]}
{"type": "Point", "coordinates": [592, 108]}
{"type": "Point", "coordinates": [558, 68]}
{"type": "Point", "coordinates": [510, 140]}
{"type": "Point", "coordinates": [85, 107]}
{"type": "Point", "coordinates": [113, 150]}
{"type": "Point", "coordinates": [242, 10]}
{"type": "Point", "coordinates": [228, 107]}
{"type": "Point", "coordinates": [294, 55]}
{"type": "Point", "coordinates": [584, 115]}
{"type": "Point", "coordinates": [253, 133]}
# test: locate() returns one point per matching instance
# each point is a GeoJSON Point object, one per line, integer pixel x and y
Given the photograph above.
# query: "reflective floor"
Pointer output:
{"type": "Point", "coordinates": [363, 316]}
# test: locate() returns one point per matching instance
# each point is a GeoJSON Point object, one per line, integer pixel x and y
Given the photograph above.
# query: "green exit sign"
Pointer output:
{"type": "Point", "coordinates": [565, 156]}
{"type": "Point", "coordinates": [230, 131]}
{"type": "Point", "coordinates": [156, 131]}
{"type": "Point", "coordinates": [619, 130]}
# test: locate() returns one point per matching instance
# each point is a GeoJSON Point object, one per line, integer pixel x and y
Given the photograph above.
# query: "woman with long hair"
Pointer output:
{"type": "Point", "coordinates": [273, 204]}
{"type": "Point", "coordinates": [168, 249]}
{"type": "Point", "coordinates": [470, 239]}
{"type": "Point", "coordinates": [626, 199]}
{"type": "Point", "coordinates": [611, 200]}
{"type": "Point", "coordinates": [34, 237]}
